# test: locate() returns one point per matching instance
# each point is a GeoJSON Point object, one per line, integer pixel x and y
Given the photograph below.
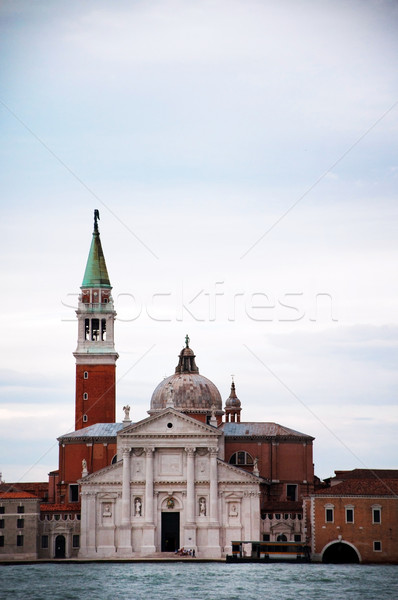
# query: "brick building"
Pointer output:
{"type": "Point", "coordinates": [355, 519]}
{"type": "Point", "coordinates": [19, 519]}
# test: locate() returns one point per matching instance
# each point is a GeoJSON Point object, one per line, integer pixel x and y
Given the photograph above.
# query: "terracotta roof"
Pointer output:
{"type": "Point", "coordinates": [18, 496]}
{"type": "Point", "coordinates": [362, 487]}
{"type": "Point", "coordinates": [367, 474]}
{"type": "Point", "coordinates": [260, 430]}
{"type": "Point", "coordinates": [75, 507]}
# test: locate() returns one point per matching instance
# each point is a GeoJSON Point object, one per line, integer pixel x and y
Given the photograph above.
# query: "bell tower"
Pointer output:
{"type": "Point", "coordinates": [95, 353]}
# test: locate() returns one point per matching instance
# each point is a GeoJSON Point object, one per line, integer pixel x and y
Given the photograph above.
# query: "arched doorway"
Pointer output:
{"type": "Point", "coordinates": [60, 546]}
{"type": "Point", "coordinates": [339, 552]}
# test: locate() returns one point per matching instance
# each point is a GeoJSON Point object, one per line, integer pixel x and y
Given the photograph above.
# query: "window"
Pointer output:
{"type": "Point", "coordinates": [265, 537]}
{"type": "Point", "coordinates": [349, 514]}
{"type": "Point", "coordinates": [297, 537]}
{"type": "Point", "coordinates": [20, 523]}
{"type": "Point", "coordinates": [19, 540]}
{"type": "Point", "coordinates": [376, 515]}
{"type": "Point", "coordinates": [103, 330]}
{"type": "Point", "coordinates": [85, 396]}
{"type": "Point", "coordinates": [85, 418]}
{"type": "Point", "coordinates": [95, 334]}
{"type": "Point", "coordinates": [281, 538]}
{"type": "Point", "coordinates": [44, 541]}
{"type": "Point", "coordinates": [76, 541]}
{"type": "Point", "coordinates": [291, 492]}
{"type": "Point", "coordinates": [85, 375]}
{"type": "Point", "coordinates": [329, 514]}
{"type": "Point", "coordinates": [1, 523]}
{"type": "Point", "coordinates": [277, 516]}
{"type": "Point", "coordinates": [87, 329]}
{"type": "Point", "coordinates": [241, 459]}
{"type": "Point", "coordinates": [20, 509]}
{"type": "Point", "coordinates": [1, 541]}
{"type": "Point", "coordinates": [73, 492]}
{"type": "Point", "coordinates": [376, 546]}
{"type": "Point", "coordinates": [2, 510]}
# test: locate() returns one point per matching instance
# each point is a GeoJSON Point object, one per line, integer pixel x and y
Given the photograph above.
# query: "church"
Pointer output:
{"type": "Point", "coordinates": [193, 475]}
{"type": "Point", "coordinates": [193, 478]}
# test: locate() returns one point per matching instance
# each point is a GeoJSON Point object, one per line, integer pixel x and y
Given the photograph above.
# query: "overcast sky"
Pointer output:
{"type": "Point", "coordinates": [243, 157]}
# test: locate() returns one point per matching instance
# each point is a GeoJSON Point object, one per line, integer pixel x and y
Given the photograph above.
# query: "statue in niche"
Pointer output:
{"type": "Point", "coordinates": [202, 507]}
{"type": "Point", "coordinates": [107, 511]}
{"type": "Point", "coordinates": [233, 510]}
{"type": "Point", "coordinates": [137, 507]}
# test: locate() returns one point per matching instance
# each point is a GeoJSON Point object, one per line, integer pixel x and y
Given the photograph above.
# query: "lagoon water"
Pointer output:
{"type": "Point", "coordinates": [197, 581]}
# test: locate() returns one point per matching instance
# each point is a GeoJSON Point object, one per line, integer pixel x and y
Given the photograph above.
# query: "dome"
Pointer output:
{"type": "Point", "coordinates": [187, 390]}
{"type": "Point", "coordinates": [233, 400]}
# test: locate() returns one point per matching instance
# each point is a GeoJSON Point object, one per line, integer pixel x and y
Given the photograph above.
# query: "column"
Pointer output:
{"type": "Point", "coordinates": [148, 532]}
{"type": "Point", "coordinates": [124, 542]}
{"type": "Point", "coordinates": [213, 485]}
{"type": "Point", "coordinates": [213, 534]}
{"type": "Point", "coordinates": [190, 525]}
{"type": "Point", "coordinates": [190, 516]}
{"type": "Point", "coordinates": [126, 509]}
{"type": "Point", "coordinates": [149, 485]}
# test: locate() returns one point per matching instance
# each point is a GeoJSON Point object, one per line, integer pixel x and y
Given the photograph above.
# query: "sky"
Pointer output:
{"type": "Point", "coordinates": [243, 155]}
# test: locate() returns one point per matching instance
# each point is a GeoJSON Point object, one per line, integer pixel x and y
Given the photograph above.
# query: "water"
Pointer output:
{"type": "Point", "coordinates": [200, 581]}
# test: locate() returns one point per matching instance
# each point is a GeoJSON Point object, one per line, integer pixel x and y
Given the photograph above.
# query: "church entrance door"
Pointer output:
{"type": "Point", "coordinates": [170, 531]}
{"type": "Point", "coordinates": [60, 546]}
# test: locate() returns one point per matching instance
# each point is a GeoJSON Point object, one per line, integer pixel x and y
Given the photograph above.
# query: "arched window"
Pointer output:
{"type": "Point", "coordinates": [241, 459]}
{"type": "Point", "coordinates": [281, 538]}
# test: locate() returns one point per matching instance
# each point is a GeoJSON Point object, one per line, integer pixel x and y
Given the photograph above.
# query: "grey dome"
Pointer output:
{"type": "Point", "coordinates": [186, 390]}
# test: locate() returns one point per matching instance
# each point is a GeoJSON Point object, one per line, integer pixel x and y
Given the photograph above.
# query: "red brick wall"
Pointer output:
{"type": "Point", "coordinates": [283, 461]}
{"type": "Point", "coordinates": [100, 387]}
{"type": "Point", "coordinates": [71, 455]}
{"type": "Point", "coordinates": [362, 533]}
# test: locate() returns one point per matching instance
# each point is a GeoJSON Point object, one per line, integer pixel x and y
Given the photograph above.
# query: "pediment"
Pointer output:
{"type": "Point", "coordinates": [111, 474]}
{"type": "Point", "coordinates": [281, 527]}
{"type": "Point", "coordinates": [228, 473]}
{"type": "Point", "coordinates": [233, 497]}
{"type": "Point", "coordinates": [167, 424]}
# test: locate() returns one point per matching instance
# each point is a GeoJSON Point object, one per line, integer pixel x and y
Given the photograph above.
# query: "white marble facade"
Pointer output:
{"type": "Point", "coordinates": [169, 489]}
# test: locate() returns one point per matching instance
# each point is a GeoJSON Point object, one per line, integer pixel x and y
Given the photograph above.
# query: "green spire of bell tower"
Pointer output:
{"type": "Point", "coordinates": [96, 274]}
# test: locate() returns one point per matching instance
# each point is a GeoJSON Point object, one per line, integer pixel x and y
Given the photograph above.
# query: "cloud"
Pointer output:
{"type": "Point", "coordinates": [200, 125]}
